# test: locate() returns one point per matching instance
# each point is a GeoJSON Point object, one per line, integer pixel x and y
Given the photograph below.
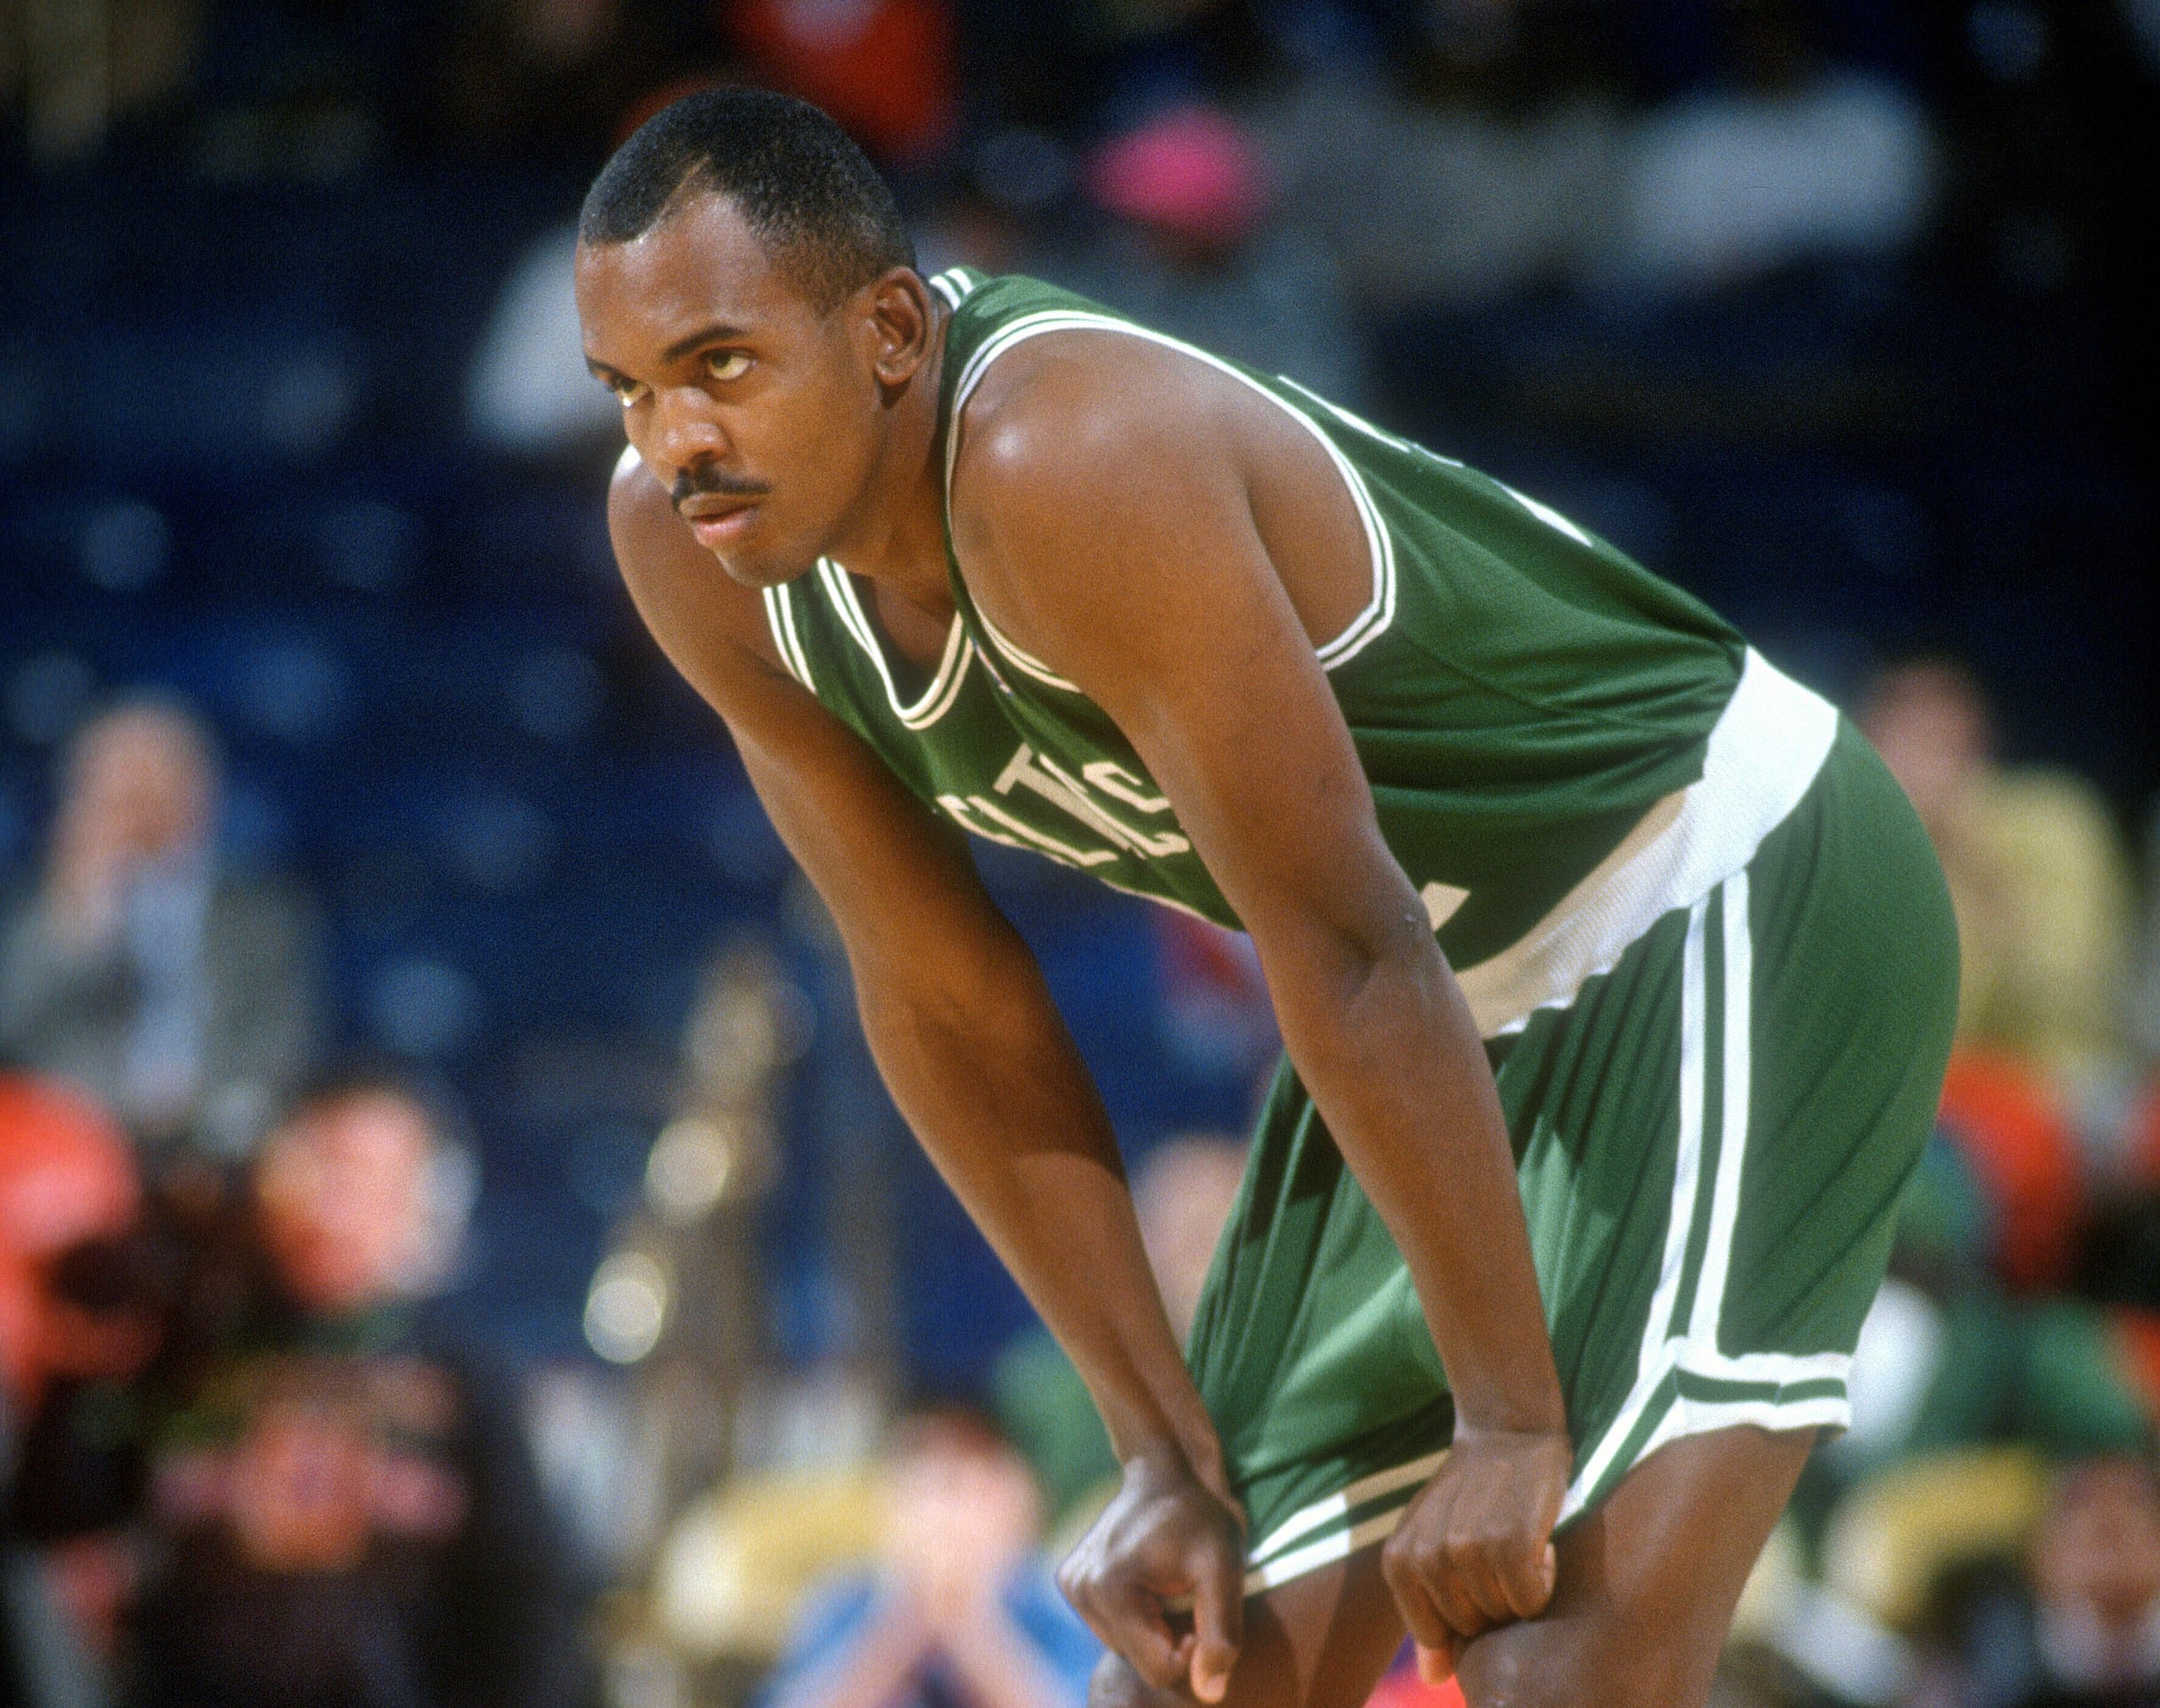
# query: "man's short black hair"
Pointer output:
{"type": "Point", "coordinates": [801, 184]}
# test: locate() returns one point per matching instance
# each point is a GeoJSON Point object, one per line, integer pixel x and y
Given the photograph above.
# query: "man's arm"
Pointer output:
{"type": "Point", "coordinates": [1105, 515]}
{"type": "Point", "coordinates": [963, 1029]}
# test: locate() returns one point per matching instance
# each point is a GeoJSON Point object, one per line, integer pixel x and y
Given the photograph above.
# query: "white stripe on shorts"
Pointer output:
{"type": "Point", "coordinates": [1696, 1351]}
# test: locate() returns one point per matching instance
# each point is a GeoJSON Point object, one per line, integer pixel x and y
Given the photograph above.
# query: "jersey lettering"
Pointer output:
{"type": "Point", "coordinates": [1044, 776]}
{"type": "Point", "coordinates": [1120, 785]}
{"type": "Point", "coordinates": [970, 812]}
{"type": "Point", "coordinates": [1039, 775]}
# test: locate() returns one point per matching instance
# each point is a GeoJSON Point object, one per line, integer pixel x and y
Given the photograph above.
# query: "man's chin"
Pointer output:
{"type": "Point", "coordinates": [759, 569]}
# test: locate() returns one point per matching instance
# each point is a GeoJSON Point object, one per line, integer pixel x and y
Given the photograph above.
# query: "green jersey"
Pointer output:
{"type": "Point", "coordinates": [1561, 746]}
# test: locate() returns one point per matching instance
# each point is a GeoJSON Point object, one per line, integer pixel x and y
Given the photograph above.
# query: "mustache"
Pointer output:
{"type": "Point", "coordinates": [705, 480]}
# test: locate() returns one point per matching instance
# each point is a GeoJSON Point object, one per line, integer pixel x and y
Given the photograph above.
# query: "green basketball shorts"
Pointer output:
{"type": "Point", "coordinates": [1713, 1136]}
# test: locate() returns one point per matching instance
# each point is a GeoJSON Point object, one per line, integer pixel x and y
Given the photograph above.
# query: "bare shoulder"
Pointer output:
{"type": "Point", "coordinates": [1094, 466]}
{"type": "Point", "coordinates": [712, 627]}
{"type": "Point", "coordinates": [1077, 434]}
{"type": "Point", "coordinates": [1068, 401]}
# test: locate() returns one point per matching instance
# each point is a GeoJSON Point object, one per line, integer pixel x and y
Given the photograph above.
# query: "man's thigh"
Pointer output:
{"type": "Point", "coordinates": [1647, 1584]}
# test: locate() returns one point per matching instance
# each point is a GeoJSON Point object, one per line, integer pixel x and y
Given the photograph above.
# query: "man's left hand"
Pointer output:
{"type": "Point", "coordinates": [1475, 1548]}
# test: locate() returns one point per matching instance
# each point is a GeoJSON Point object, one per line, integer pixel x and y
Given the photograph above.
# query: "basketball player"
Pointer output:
{"type": "Point", "coordinates": [1616, 976]}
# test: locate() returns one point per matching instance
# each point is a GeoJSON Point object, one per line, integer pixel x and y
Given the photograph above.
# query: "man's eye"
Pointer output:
{"type": "Point", "coordinates": [727, 364]}
{"type": "Point", "coordinates": [627, 391]}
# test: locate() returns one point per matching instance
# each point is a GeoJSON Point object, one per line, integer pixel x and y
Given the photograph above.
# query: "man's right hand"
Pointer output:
{"type": "Point", "coordinates": [1161, 1576]}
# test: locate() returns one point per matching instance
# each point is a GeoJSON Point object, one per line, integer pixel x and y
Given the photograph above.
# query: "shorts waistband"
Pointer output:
{"type": "Point", "coordinates": [1766, 751]}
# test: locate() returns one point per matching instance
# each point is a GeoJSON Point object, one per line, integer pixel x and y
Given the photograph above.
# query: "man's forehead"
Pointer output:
{"type": "Point", "coordinates": [698, 264]}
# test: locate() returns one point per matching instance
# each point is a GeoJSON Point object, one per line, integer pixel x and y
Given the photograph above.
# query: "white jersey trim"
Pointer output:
{"type": "Point", "coordinates": [1337, 1505]}
{"type": "Point", "coordinates": [1768, 745]}
{"type": "Point", "coordinates": [1364, 628]}
{"type": "Point", "coordinates": [951, 669]}
{"type": "Point", "coordinates": [780, 616]}
{"type": "Point", "coordinates": [944, 689]}
{"type": "Point", "coordinates": [954, 285]}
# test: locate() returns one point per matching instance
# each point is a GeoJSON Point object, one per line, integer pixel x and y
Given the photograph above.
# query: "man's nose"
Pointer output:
{"type": "Point", "coordinates": [685, 429]}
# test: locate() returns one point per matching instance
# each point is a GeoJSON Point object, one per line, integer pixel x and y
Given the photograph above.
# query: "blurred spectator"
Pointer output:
{"type": "Point", "coordinates": [1731, 186]}
{"type": "Point", "coordinates": [361, 1196]}
{"type": "Point", "coordinates": [883, 68]}
{"type": "Point", "coordinates": [2095, 1572]}
{"type": "Point", "coordinates": [2040, 882]}
{"type": "Point", "coordinates": [1200, 252]}
{"type": "Point", "coordinates": [2120, 1253]}
{"type": "Point", "coordinates": [1959, 1385]}
{"type": "Point", "coordinates": [79, 70]}
{"type": "Point", "coordinates": [1495, 187]}
{"type": "Point", "coordinates": [1183, 1193]}
{"type": "Point", "coordinates": [68, 1190]}
{"type": "Point", "coordinates": [1216, 1013]}
{"type": "Point", "coordinates": [960, 1611]}
{"type": "Point", "coordinates": [2144, 1013]}
{"type": "Point", "coordinates": [67, 1180]}
{"type": "Point", "coordinates": [1184, 1196]}
{"type": "Point", "coordinates": [1453, 207]}
{"type": "Point", "coordinates": [529, 392]}
{"type": "Point", "coordinates": [77, 1324]}
{"type": "Point", "coordinates": [2013, 1126]}
{"type": "Point", "coordinates": [2079, 1627]}
{"type": "Point", "coordinates": [344, 1506]}
{"type": "Point", "coordinates": [183, 995]}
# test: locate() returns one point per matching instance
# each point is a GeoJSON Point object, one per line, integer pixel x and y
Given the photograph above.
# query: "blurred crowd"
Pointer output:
{"type": "Point", "coordinates": [241, 1464]}
{"type": "Point", "coordinates": [1249, 170]}
{"type": "Point", "coordinates": [251, 1451]}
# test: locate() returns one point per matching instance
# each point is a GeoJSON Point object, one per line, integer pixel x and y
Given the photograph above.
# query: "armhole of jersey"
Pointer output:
{"type": "Point", "coordinates": [779, 617]}
{"type": "Point", "coordinates": [1363, 629]}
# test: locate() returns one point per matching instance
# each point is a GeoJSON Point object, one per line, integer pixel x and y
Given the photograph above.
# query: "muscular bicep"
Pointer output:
{"type": "Point", "coordinates": [897, 880]}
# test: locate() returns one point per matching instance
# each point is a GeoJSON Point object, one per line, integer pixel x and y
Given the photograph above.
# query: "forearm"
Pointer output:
{"type": "Point", "coordinates": [1380, 1035]}
{"type": "Point", "coordinates": [990, 1080]}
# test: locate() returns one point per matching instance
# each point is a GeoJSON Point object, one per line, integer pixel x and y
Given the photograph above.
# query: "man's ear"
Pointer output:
{"type": "Point", "coordinates": [901, 323]}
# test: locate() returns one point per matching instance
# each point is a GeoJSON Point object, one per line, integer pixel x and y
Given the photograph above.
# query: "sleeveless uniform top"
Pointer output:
{"type": "Point", "coordinates": [1561, 746]}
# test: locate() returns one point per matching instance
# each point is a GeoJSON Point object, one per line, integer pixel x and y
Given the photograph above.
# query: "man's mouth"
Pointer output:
{"type": "Point", "coordinates": [717, 518]}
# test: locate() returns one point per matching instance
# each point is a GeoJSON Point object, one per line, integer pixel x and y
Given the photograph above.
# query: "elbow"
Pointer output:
{"type": "Point", "coordinates": [935, 1000]}
{"type": "Point", "coordinates": [1350, 984]}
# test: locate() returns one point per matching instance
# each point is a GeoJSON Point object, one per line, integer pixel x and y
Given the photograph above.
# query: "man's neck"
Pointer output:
{"type": "Point", "coordinates": [899, 538]}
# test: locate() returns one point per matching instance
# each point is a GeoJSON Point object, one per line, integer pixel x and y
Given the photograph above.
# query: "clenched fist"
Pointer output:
{"type": "Point", "coordinates": [1475, 1548]}
{"type": "Point", "coordinates": [1161, 1576]}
